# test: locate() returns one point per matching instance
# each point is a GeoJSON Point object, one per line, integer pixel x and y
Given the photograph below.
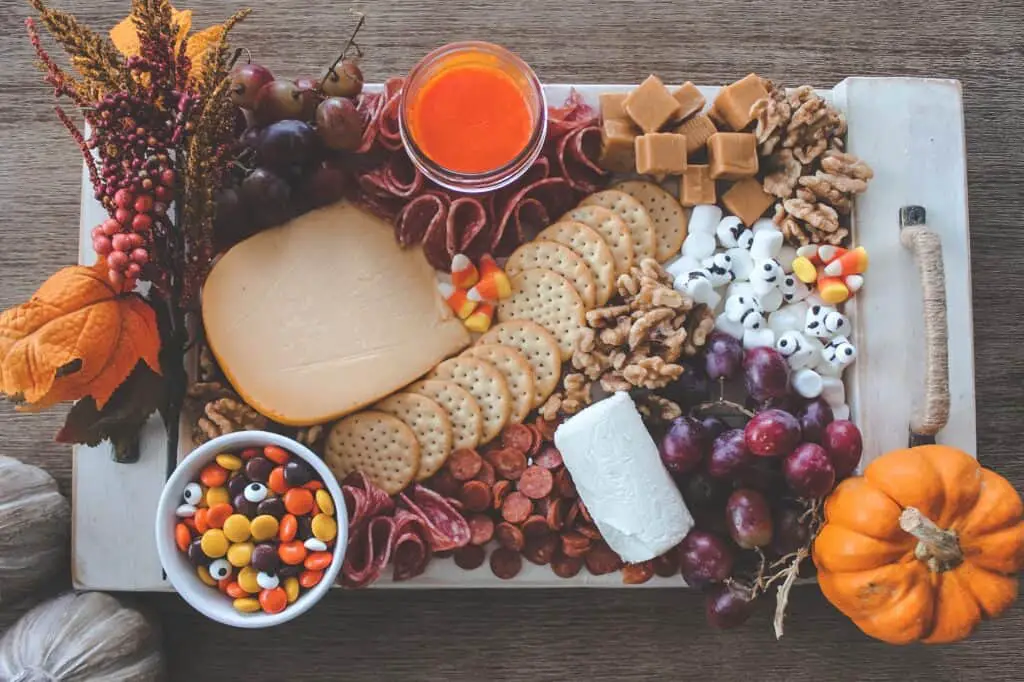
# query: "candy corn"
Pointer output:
{"type": "Point", "coordinates": [480, 320]}
{"type": "Point", "coordinates": [494, 283]}
{"type": "Point", "coordinates": [849, 263]}
{"type": "Point", "coordinates": [464, 273]}
{"type": "Point", "coordinates": [832, 290]}
{"type": "Point", "coordinates": [804, 269]}
{"type": "Point", "coordinates": [828, 253]}
{"type": "Point", "coordinates": [810, 252]}
{"type": "Point", "coordinates": [854, 283]}
{"type": "Point", "coordinates": [457, 300]}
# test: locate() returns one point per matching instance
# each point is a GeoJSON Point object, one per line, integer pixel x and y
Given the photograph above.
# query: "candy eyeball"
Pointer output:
{"type": "Point", "coordinates": [817, 321]}
{"type": "Point", "coordinates": [789, 343]}
{"type": "Point", "coordinates": [839, 352]}
{"type": "Point", "coordinates": [745, 310]}
{"type": "Point", "coordinates": [745, 240]}
{"type": "Point", "coordinates": [728, 231]}
{"type": "Point", "coordinates": [219, 569]}
{"type": "Point", "coordinates": [798, 350]}
{"type": "Point", "coordinates": [766, 275]}
{"type": "Point", "coordinates": [837, 324]}
{"type": "Point", "coordinates": [793, 289]}
{"type": "Point", "coordinates": [267, 581]}
{"type": "Point", "coordinates": [255, 492]}
{"type": "Point", "coordinates": [193, 494]}
{"type": "Point", "coordinates": [719, 269]}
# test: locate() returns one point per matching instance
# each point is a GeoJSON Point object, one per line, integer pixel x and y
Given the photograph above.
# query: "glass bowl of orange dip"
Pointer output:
{"type": "Point", "coordinates": [472, 116]}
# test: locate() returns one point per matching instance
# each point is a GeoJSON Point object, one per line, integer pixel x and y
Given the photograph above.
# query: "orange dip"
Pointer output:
{"type": "Point", "coordinates": [470, 118]}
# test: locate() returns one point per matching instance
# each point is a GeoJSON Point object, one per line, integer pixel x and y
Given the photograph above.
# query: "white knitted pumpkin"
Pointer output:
{"type": "Point", "coordinates": [79, 637]}
{"type": "Point", "coordinates": [35, 526]}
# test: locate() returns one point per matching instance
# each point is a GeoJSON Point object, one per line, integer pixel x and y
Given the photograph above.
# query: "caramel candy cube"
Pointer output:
{"type": "Point", "coordinates": [734, 101]}
{"type": "Point", "coordinates": [733, 156]}
{"type": "Point", "coordinates": [611, 105]}
{"type": "Point", "coordinates": [747, 200]}
{"type": "Point", "coordinates": [697, 130]}
{"type": "Point", "coordinates": [696, 186]}
{"type": "Point", "coordinates": [651, 105]}
{"type": "Point", "coordinates": [661, 154]}
{"type": "Point", "coordinates": [617, 145]}
{"type": "Point", "coordinates": [690, 100]}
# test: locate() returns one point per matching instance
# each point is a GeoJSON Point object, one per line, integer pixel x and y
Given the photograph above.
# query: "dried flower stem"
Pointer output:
{"type": "Point", "coordinates": [90, 162]}
{"type": "Point", "coordinates": [94, 56]}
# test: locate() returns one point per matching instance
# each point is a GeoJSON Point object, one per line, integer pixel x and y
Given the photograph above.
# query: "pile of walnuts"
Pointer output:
{"type": "Point", "coordinates": [800, 138]}
{"type": "Point", "coordinates": [214, 408]}
{"type": "Point", "coordinates": [636, 343]}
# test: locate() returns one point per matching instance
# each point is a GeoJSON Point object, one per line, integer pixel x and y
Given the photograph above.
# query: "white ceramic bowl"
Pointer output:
{"type": "Point", "coordinates": [208, 600]}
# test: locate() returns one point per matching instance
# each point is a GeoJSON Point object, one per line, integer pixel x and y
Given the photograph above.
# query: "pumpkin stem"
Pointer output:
{"type": "Point", "coordinates": [937, 547]}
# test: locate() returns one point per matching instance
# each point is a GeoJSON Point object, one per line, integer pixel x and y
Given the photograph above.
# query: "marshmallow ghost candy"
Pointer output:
{"type": "Point", "coordinates": [839, 353]}
{"type": "Point", "coordinates": [793, 289]}
{"type": "Point", "coordinates": [698, 286]}
{"type": "Point", "coordinates": [745, 310]}
{"type": "Point", "coordinates": [826, 322]}
{"type": "Point", "coordinates": [719, 269]}
{"type": "Point", "coordinates": [799, 350]}
{"type": "Point", "coordinates": [766, 275]}
{"type": "Point", "coordinates": [728, 231]}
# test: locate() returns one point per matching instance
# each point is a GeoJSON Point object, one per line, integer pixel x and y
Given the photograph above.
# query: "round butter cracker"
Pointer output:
{"type": "Point", "coordinates": [538, 346]}
{"type": "Point", "coordinates": [667, 216]}
{"type": "Point", "coordinates": [380, 445]}
{"type": "Point", "coordinates": [517, 372]}
{"type": "Point", "coordinates": [633, 214]}
{"type": "Point", "coordinates": [463, 410]}
{"type": "Point", "coordinates": [591, 247]}
{"type": "Point", "coordinates": [559, 258]}
{"type": "Point", "coordinates": [486, 384]}
{"type": "Point", "coordinates": [611, 228]}
{"type": "Point", "coordinates": [431, 424]}
{"type": "Point", "coordinates": [547, 298]}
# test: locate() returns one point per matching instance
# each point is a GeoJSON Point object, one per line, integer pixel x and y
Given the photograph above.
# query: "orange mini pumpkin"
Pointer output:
{"type": "Point", "coordinates": [922, 547]}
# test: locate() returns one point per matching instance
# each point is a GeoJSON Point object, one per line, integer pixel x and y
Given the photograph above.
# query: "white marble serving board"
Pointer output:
{"type": "Point", "coordinates": [911, 132]}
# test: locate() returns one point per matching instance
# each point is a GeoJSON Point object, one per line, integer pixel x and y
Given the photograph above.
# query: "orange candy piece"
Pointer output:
{"type": "Point", "coordinates": [464, 273]}
{"type": "Point", "coordinates": [309, 579]}
{"type": "Point", "coordinates": [298, 501]}
{"type": "Point", "coordinates": [456, 299]}
{"type": "Point", "coordinates": [287, 529]}
{"type": "Point", "coordinates": [318, 561]}
{"type": "Point", "coordinates": [494, 284]}
{"type": "Point", "coordinates": [481, 319]}
{"type": "Point", "coordinates": [235, 590]}
{"type": "Point", "coordinates": [276, 454]}
{"type": "Point", "coordinates": [191, 525]}
{"type": "Point", "coordinates": [202, 520]}
{"type": "Point", "coordinates": [249, 453]}
{"type": "Point", "coordinates": [276, 481]}
{"type": "Point", "coordinates": [218, 514]}
{"type": "Point", "coordinates": [292, 553]}
{"type": "Point", "coordinates": [274, 600]}
{"type": "Point", "coordinates": [182, 536]}
{"type": "Point", "coordinates": [213, 475]}
{"type": "Point", "coordinates": [313, 485]}
{"type": "Point", "coordinates": [224, 583]}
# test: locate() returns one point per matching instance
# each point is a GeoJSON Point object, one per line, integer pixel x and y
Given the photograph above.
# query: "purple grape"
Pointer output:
{"type": "Point", "coordinates": [339, 124]}
{"type": "Point", "coordinates": [809, 471]}
{"type": "Point", "coordinates": [267, 196]}
{"type": "Point", "coordinates": [705, 558]}
{"type": "Point", "coordinates": [749, 518]}
{"type": "Point", "coordinates": [728, 606]}
{"type": "Point", "coordinates": [814, 417]}
{"type": "Point", "coordinates": [285, 144]}
{"type": "Point", "coordinates": [701, 490]}
{"type": "Point", "coordinates": [772, 433]}
{"type": "Point", "coordinates": [691, 387]}
{"type": "Point", "coordinates": [682, 447]}
{"type": "Point", "coordinates": [767, 374]}
{"type": "Point", "coordinates": [323, 186]}
{"type": "Point", "coordinates": [763, 474]}
{"type": "Point", "coordinates": [791, 532]}
{"type": "Point", "coordinates": [843, 442]}
{"type": "Point", "coordinates": [729, 454]}
{"type": "Point", "coordinates": [714, 427]}
{"type": "Point", "coordinates": [723, 356]}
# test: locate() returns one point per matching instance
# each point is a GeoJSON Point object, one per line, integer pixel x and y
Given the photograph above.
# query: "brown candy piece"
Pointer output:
{"type": "Point", "coordinates": [696, 186]}
{"type": "Point", "coordinates": [734, 101]}
{"type": "Point", "coordinates": [651, 105]}
{"type": "Point", "coordinates": [611, 104]}
{"type": "Point", "coordinates": [660, 154]}
{"type": "Point", "coordinates": [747, 200]}
{"type": "Point", "coordinates": [697, 131]}
{"type": "Point", "coordinates": [618, 153]}
{"type": "Point", "coordinates": [732, 156]}
{"type": "Point", "coordinates": [690, 100]}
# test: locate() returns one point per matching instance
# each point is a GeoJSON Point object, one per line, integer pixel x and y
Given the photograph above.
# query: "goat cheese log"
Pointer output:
{"type": "Point", "coordinates": [619, 476]}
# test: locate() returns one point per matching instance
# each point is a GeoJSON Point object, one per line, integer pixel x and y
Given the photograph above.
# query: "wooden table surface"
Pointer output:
{"type": "Point", "coordinates": [606, 634]}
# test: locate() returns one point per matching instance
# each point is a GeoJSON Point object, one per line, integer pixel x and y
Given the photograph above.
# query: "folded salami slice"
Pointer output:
{"type": "Point", "coordinates": [497, 201]}
{"type": "Point", "coordinates": [575, 113]}
{"type": "Point", "coordinates": [369, 105]}
{"type": "Point", "coordinates": [530, 211]}
{"type": "Point", "coordinates": [368, 553]}
{"type": "Point", "coordinates": [578, 152]}
{"type": "Point", "coordinates": [402, 178]}
{"type": "Point", "coordinates": [410, 546]}
{"type": "Point", "coordinates": [363, 500]}
{"type": "Point", "coordinates": [420, 215]}
{"type": "Point", "coordinates": [435, 244]}
{"type": "Point", "coordinates": [448, 528]}
{"type": "Point", "coordinates": [466, 231]}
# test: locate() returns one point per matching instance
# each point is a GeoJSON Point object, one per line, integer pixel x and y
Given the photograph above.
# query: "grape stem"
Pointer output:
{"type": "Point", "coordinates": [721, 402]}
{"type": "Point", "coordinates": [344, 53]}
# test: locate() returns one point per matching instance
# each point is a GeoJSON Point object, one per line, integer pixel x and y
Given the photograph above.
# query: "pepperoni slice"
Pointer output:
{"type": "Point", "coordinates": [556, 514]}
{"type": "Point", "coordinates": [486, 474]}
{"type": "Point", "coordinates": [542, 506]}
{"type": "Point", "coordinates": [667, 565]}
{"type": "Point", "coordinates": [548, 457]}
{"type": "Point", "coordinates": [546, 428]}
{"type": "Point", "coordinates": [517, 436]}
{"type": "Point", "coordinates": [575, 544]}
{"type": "Point", "coordinates": [535, 526]}
{"type": "Point", "coordinates": [509, 463]}
{"type": "Point", "coordinates": [445, 554]}
{"type": "Point", "coordinates": [516, 508]}
{"type": "Point", "coordinates": [601, 559]}
{"type": "Point", "coordinates": [481, 529]}
{"type": "Point", "coordinates": [464, 464]}
{"type": "Point", "coordinates": [564, 484]}
{"type": "Point", "coordinates": [506, 563]}
{"type": "Point", "coordinates": [470, 557]}
{"type": "Point", "coordinates": [570, 516]}
{"type": "Point", "coordinates": [542, 549]}
{"type": "Point", "coordinates": [475, 496]}
{"type": "Point", "coordinates": [566, 566]}
{"type": "Point", "coordinates": [590, 531]}
{"type": "Point", "coordinates": [637, 574]}
{"type": "Point", "coordinates": [501, 489]}
{"type": "Point", "coordinates": [444, 483]}
{"type": "Point", "coordinates": [536, 482]}
{"type": "Point", "coordinates": [537, 442]}
{"type": "Point", "coordinates": [509, 536]}
{"type": "Point", "coordinates": [584, 513]}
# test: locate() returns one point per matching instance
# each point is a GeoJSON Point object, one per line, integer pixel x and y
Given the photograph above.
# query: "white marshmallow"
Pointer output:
{"type": "Point", "coordinates": [787, 254]}
{"type": "Point", "coordinates": [683, 265]}
{"type": "Point", "coordinates": [727, 326]}
{"type": "Point", "coordinates": [766, 275]}
{"type": "Point", "coordinates": [766, 244]}
{"type": "Point", "coordinates": [788, 318]}
{"type": "Point", "coordinates": [699, 245]}
{"type": "Point", "coordinates": [740, 289]}
{"type": "Point", "coordinates": [728, 230]}
{"type": "Point", "coordinates": [833, 391]}
{"type": "Point", "coordinates": [764, 224]}
{"type": "Point", "coordinates": [698, 286]}
{"type": "Point", "coordinates": [800, 351]}
{"type": "Point", "coordinates": [841, 412]}
{"type": "Point", "coordinates": [742, 263]}
{"type": "Point", "coordinates": [704, 219]}
{"type": "Point", "coordinates": [745, 239]}
{"type": "Point", "coordinates": [839, 352]}
{"type": "Point", "coordinates": [719, 269]}
{"type": "Point", "coordinates": [757, 338]}
{"type": "Point", "coordinates": [745, 310]}
{"type": "Point", "coordinates": [793, 289]}
{"type": "Point", "coordinates": [807, 383]}
{"type": "Point", "coordinates": [770, 301]}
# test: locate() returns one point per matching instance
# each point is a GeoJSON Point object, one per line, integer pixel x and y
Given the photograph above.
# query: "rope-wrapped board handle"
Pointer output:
{"type": "Point", "coordinates": [927, 249]}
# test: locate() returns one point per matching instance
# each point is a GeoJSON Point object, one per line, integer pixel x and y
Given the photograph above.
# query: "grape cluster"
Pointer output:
{"type": "Point", "coordinates": [745, 485]}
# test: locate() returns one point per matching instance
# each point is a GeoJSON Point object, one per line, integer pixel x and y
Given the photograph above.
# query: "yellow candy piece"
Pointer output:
{"type": "Point", "coordinates": [804, 269]}
{"type": "Point", "coordinates": [236, 528]}
{"type": "Point", "coordinates": [246, 605]}
{"type": "Point", "coordinates": [218, 495]}
{"type": "Point", "coordinates": [229, 462]}
{"type": "Point", "coordinates": [213, 543]}
{"type": "Point", "coordinates": [324, 527]}
{"type": "Point", "coordinates": [247, 580]}
{"type": "Point", "coordinates": [205, 576]}
{"type": "Point", "coordinates": [291, 588]}
{"type": "Point", "coordinates": [263, 527]}
{"type": "Point", "coordinates": [239, 554]}
{"type": "Point", "coordinates": [324, 501]}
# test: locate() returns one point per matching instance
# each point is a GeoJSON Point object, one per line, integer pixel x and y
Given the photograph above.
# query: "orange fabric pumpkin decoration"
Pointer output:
{"type": "Point", "coordinates": [922, 547]}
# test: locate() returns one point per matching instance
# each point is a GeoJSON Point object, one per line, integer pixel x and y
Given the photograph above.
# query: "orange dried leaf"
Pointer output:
{"type": "Point", "coordinates": [76, 336]}
{"type": "Point", "coordinates": [126, 38]}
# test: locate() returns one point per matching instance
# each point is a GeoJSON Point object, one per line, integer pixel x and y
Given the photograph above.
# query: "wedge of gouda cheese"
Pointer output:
{"type": "Point", "coordinates": [325, 314]}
